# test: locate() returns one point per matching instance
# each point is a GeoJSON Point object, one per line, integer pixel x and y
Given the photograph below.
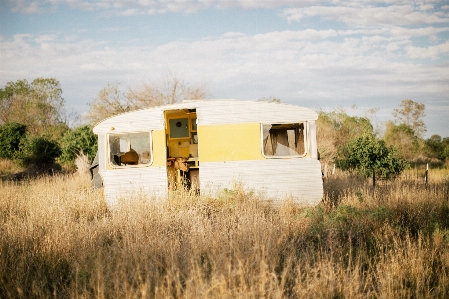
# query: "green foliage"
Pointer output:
{"type": "Point", "coordinates": [39, 151]}
{"type": "Point", "coordinates": [403, 138]}
{"type": "Point", "coordinates": [336, 128]}
{"type": "Point", "coordinates": [10, 136]}
{"type": "Point", "coordinates": [81, 139]}
{"type": "Point", "coordinates": [411, 113]}
{"type": "Point", "coordinates": [38, 105]}
{"type": "Point", "coordinates": [370, 156]}
{"type": "Point", "coordinates": [270, 100]}
{"type": "Point", "coordinates": [437, 147]}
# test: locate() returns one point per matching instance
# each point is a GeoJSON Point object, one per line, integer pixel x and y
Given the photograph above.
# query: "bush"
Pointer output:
{"type": "Point", "coordinates": [371, 157]}
{"type": "Point", "coordinates": [10, 136]}
{"type": "Point", "coordinates": [81, 139]}
{"type": "Point", "coordinates": [38, 151]}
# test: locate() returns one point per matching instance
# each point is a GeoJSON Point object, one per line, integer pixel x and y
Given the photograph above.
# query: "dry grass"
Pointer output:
{"type": "Point", "coordinates": [58, 239]}
{"type": "Point", "coordinates": [8, 167]}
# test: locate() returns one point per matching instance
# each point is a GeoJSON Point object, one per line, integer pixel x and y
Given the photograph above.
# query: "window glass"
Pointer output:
{"type": "Point", "coordinates": [179, 128]}
{"type": "Point", "coordinates": [281, 140]}
{"type": "Point", "coordinates": [129, 149]}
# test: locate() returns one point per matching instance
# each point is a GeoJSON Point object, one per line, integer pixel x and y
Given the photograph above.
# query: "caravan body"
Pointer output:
{"type": "Point", "coordinates": [268, 148]}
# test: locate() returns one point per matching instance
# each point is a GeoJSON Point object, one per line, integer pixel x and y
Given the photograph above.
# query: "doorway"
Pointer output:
{"type": "Point", "coordinates": [182, 149]}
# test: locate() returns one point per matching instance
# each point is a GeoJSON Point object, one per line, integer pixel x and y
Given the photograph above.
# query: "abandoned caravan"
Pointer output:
{"type": "Point", "coordinates": [269, 148]}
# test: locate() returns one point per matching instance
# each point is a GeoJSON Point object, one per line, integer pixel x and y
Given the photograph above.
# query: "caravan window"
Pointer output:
{"type": "Point", "coordinates": [283, 140]}
{"type": "Point", "coordinates": [179, 128]}
{"type": "Point", "coordinates": [129, 149]}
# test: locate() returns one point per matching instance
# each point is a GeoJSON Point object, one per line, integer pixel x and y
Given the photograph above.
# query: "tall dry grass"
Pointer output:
{"type": "Point", "coordinates": [8, 168]}
{"type": "Point", "coordinates": [58, 239]}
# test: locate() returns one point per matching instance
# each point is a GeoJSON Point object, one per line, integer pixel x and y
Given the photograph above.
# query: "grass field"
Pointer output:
{"type": "Point", "coordinates": [58, 239]}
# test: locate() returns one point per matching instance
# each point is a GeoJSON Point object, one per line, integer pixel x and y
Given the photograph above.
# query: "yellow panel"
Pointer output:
{"type": "Point", "coordinates": [184, 152]}
{"type": "Point", "coordinates": [229, 142]}
{"type": "Point", "coordinates": [159, 147]}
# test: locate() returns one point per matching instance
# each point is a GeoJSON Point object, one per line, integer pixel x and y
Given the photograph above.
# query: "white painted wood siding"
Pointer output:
{"type": "Point", "coordinates": [136, 121]}
{"type": "Point", "coordinates": [234, 112]}
{"type": "Point", "coordinates": [276, 179]}
{"type": "Point", "coordinates": [101, 153]}
{"type": "Point", "coordinates": [209, 112]}
{"type": "Point", "coordinates": [131, 182]}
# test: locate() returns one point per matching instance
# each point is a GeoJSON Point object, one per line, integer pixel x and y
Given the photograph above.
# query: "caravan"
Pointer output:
{"type": "Point", "coordinates": [269, 148]}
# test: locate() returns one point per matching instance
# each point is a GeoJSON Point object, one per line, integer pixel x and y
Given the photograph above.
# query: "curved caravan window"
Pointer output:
{"type": "Point", "coordinates": [283, 140]}
{"type": "Point", "coordinates": [129, 150]}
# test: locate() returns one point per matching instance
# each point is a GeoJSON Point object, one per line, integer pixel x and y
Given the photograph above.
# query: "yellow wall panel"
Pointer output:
{"type": "Point", "coordinates": [159, 147]}
{"type": "Point", "coordinates": [230, 142]}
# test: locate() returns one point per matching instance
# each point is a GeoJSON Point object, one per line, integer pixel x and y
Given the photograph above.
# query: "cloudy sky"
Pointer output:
{"type": "Point", "coordinates": [319, 54]}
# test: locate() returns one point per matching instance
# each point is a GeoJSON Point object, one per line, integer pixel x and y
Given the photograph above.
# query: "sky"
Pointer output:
{"type": "Point", "coordinates": [355, 55]}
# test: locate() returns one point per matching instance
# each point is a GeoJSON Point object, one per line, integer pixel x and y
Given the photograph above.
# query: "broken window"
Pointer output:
{"type": "Point", "coordinates": [129, 149]}
{"type": "Point", "coordinates": [283, 140]}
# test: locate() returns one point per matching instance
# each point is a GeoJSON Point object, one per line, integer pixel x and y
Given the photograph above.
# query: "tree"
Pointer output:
{"type": "Point", "coordinates": [270, 99]}
{"type": "Point", "coordinates": [10, 136]}
{"type": "Point", "coordinates": [371, 157]}
{"type": "Point", "coordinates": [112, 101]}
{"type": "Point", "coordinates": [38, 105]}
{"type": "Point", "coordinates": [109, 101]}
{"type": "Point", "coordinates": [402, 137]}
{"type": "Point", "coordinates": [37, 150]}
{"type": "Point", "coordinates": [81, 139]}
{"type": "Point", "coordinates": [411, 114]}
{"type": "Point", "coordinates": [437, 147]}
{"type": "Point", "coordinates": [336, 128]}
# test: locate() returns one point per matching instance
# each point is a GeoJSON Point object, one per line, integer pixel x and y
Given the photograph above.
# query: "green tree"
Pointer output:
{"type": "Point", "coordinates": [403, 138]}
{"type": "Point", "coordinates": [112, 101]}
{"type": "Point", "coordinates": [411, 113]}
{"type": "Point", "coordinates": [81, 139]}
{"type": "Point", "coordinates": [10, 136]}
{"type": "Point", "coordinates": [371, 157]}
{"type": "Point", "coordinates": [336, 128]}
{"type": "Point", "coordinates": [38, 105]}
{"type": "Point", "coordinates": [39, 151]}
{"type": "Point", "coordinates": [437, 147]}
{"type": "Point", "coordinates": [270, 100]}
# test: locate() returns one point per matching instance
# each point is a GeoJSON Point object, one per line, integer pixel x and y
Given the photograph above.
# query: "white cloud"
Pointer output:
{"type": "Point", "coordinates": [45, 38]}
{"type": "Point", "coordinates": [364, 15]}
{"type": "Point", "coordinates": [27, 7]}
{"type": "Point", "coordinates": [351, 12]}
{"type": "Point", "coordinates": [432, 52]}
{"type": "Point", "coordinates": [376, 58]}
{"type": "Point", "coordinates": [238, 65]}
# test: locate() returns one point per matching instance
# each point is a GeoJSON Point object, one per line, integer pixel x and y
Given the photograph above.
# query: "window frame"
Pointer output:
{"type": "Point", "coordinates": [305, 133]}
{"type": "Point", "coordinates": [108, 150]}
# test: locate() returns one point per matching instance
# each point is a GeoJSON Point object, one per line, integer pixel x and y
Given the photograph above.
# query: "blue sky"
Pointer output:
{"type": "Point", "coordinates": [319, 54]}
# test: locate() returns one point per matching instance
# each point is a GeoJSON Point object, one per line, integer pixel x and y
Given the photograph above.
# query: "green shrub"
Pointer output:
{"type": "Point", "coordinates": [39, 151]}
{"type": "Point", "coordinates": [371, 157]}
{"type": "Point", "coordinates": [10, 136]}
{"type": "Point", "coordinates": [81, 139]}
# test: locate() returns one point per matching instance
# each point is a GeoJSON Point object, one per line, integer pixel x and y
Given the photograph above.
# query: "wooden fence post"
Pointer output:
{"type": "Point", "coordinates": [427, 173]}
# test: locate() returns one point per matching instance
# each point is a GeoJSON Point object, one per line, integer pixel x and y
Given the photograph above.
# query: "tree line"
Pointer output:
{"type": "Point", "coordinates": [352, 142]}
{"type": "Point", "coordinates": [34, 122]}
{"type": "Point", "coordinates": [35, 130]}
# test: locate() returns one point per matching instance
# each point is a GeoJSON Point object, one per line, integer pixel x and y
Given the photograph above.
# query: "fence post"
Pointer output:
{"type": "Point", "coordinates": [427, 173]}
